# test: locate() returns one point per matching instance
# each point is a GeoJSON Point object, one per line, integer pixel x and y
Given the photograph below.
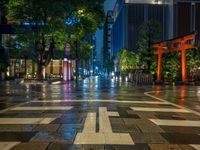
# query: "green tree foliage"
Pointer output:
{"type": "Point", "coordinates": [47, 28]}
{"type": "Point", "coordinates": [3, 7]}
{"type": "Point", "coordinates": [85, 51]}
{"type": "Point", "coordinates": [43, 23]}
{"type": "Point", "coordinates": [193, 63]}
{"type": "Point", "coordinates": [150, 32]}
{"type": "Point", "coordinates": [89, 15]}
{"type": "Point", "coordinates": [128, 60]}
{"type": "Point", "coordinates": [153, 68]}
{"type": "Point", "coordinates": [171, 66]}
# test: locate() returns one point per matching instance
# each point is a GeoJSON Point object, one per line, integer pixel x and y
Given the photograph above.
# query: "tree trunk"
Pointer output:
{"type": "Point", "coordinates": [12, 69]}
{"type": "Point", "coordinates": [25, 68]}
{"type": "Point", "coordinates": [33, 69]}
{"type": "Point", "coordinates": [40, 71]}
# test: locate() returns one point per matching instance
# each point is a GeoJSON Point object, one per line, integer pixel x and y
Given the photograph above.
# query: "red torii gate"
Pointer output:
{"type": "Point", "coordinates": [177, 44]}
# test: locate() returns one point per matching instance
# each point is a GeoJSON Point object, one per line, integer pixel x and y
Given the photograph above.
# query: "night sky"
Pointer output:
{"type": "Point", "coordinates": [108, 5]}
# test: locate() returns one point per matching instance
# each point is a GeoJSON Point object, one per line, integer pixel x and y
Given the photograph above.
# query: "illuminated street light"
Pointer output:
{"type": "Point", "coordinates": [81, 12]}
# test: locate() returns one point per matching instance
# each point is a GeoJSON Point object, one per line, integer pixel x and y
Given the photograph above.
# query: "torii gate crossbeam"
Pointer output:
{"type": "Point", "coordinates": [178, 44]}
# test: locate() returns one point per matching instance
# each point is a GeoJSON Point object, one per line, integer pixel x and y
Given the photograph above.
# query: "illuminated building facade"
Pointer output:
{"type": "Point", "coordinates": [177, 17]}
{"type": "Point", "coordinates": [129, 15]}
{"type": "Point", "coordinates": [107, 53]}
{"type": "Point", "coordinates": [183, 17]}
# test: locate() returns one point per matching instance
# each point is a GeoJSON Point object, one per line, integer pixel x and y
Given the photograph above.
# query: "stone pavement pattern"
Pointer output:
{"type": "Point", "coordinates": [98, 125]}
{"type": "Point", "coordinates": [141, 123]}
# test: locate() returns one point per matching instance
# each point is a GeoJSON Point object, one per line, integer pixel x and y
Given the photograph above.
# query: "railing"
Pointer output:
{"type": "Point", "coordinates": [140, 77]}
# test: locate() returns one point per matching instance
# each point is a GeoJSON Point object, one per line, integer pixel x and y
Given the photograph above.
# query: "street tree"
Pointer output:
{"type": "Point", "coordinates": [40, 22]}
{"type": "Point", "coordinates": [3, 7]}
{"type": "Point", "coordinates": [150, 32]}
{"type": "Point", "coordinates": [171, 66]}
{"type": "Point", "coordinates": [193, 63]}
{"type": "Point", "coordinates": [83, 22]}
{"type": "Point", "coordinates": [85, 53]}
{"type": "Point", "coordinates": [43, 24]}
{"type": "Point", "coordinates": [128, 60]}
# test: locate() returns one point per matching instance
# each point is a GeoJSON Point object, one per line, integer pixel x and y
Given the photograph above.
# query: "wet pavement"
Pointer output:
{"type": "Point", "coordinates": [99, 114]}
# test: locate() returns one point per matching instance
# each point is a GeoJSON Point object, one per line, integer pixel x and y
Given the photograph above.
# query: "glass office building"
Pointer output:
{"type": "Point", "coordinates": [107, 53]}
{"type": "Point", "coordinates": [177, 17]}
{"type": "Point", "coordinates": [186, 16]}
{"type": "Point", "coordinates": [129, 15]}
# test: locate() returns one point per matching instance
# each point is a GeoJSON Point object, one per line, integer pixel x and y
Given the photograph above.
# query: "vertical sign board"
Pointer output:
{"type": "Point", "coordinates": [66, 64]}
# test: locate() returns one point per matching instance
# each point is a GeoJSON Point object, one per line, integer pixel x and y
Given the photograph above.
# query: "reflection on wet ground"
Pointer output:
{"type": "Point", "coordinates": [99, 114]}
{"type": "Point", "coordinates": [95, 88]}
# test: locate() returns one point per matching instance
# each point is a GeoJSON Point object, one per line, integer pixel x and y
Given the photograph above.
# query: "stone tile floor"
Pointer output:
{"type": "Point", "coordinates": [99, 126]}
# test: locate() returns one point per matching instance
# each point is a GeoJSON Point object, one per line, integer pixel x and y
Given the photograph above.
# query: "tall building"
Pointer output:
{"type": "Point", "coordinates": [183, 17]}
{"type": "Point", "coordinates": [91, 39]}
{"type": "Point", "coordinates": [107, 53]}
{"type": "Point", "coordinates": [177, 17]}
{"type": "Point", "coordinates": [129, 15]}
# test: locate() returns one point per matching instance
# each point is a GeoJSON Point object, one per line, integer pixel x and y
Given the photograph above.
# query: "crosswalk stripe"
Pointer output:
{"type": "Point", "coordinates": [43, 108]}
{"type": "Point", "coordinates": [166, 122]}
{"type": "Point", "coordinates": [196, 146]}
{"type": "Point", "coordinates": [26, 120]}
{"type": "Point", "coordinates": [102, 101]}
{"type": "Point", "coordinates": [8, 145]}
{"type": "Point", "coordinates": [160, 109]}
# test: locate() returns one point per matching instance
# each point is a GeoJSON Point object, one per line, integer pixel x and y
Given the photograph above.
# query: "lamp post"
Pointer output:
{"type": "Point", "coordinates": [67, 63]}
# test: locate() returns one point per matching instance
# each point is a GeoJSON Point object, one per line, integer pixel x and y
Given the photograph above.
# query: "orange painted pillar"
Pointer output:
{"type": "Point", "coordinates": [183, 64]}
{"type": "Point", "coordinates": [159, 65]}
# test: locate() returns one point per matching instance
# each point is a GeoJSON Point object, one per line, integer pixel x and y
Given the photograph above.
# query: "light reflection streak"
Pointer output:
{"type": "Point", "coordinates": [67, 90]}
{"type": "Point", "coordinates": [158, 89]}
{"type": "Point", "coordinates": [182, 96]}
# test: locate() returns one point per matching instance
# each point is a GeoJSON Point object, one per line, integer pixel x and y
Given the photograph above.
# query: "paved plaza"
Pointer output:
{"type": "Point", "coordinates": [99, 114]}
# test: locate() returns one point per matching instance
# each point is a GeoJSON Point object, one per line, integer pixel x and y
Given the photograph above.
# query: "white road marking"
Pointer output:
{"type": "Point", "coordinates": [26, 120]}
{"type": "Point", "coordinates": [43, 108]}
{"type": "Point", "coordinates": [196, 146]}
{"type": "Point", "coordinates": [166, 122]}
{"type": "Point", "coordinates": [90, 123]}
{"type": "Point", "coordinates": [163, 100]}
{"type": "Point", "coordinates": [104, 101]}
{"type": "Point", "coordinates": [159, 109]}
{"type": "Point", "coordinates": [105, 135]}
{"type": "Point", "coordinates": [104, 122]}
{"type": "Point", "coordinates": [18, 105]}
{"type": "Point", "coordinates": [8, 145]}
